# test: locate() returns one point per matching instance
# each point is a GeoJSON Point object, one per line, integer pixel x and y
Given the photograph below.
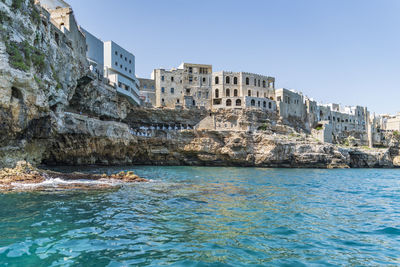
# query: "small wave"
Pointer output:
{"type": "Point", "coordinates": [389, 231]}
{"type": "Point", "coordinates": [60, 182]}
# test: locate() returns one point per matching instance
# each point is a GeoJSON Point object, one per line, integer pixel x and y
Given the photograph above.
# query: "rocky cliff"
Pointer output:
{"type": "Point", "coordinates": [53, 112]}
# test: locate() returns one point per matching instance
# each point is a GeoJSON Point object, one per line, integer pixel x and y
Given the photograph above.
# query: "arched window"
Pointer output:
{"type": "Point", "coordinates": [247, 81]}
{"type": "Point", "coordinates": [264, 84]}
{"type": "Point", "coordinates": [259, 84]}
{"type": "Point", "coordinates": [255, 82]}
{"type": "Point", "coordinates": [259, 103]}
{"type": "Point", "coordinates": [235, 80]}
{"type": "Point", "coordinates": [258, 94]}
{"type": "Point", "coordinates": [228, 92]}
{"type": "Point", "coordinates": [217, 80]}
{"type": "Point", "coordinates": [238, 102]}
{"type": "Point", "coordinates": [264, 104]}
{"type": "Point", "coordinates": [253, 102]}
{"type": "Point", "coordinates": [249, 92]}
{"type": "Point", "coordinates": [269, 105]}
{"type": "Point", "coordinates": [227, 80]}
{"type": "Point", "coordinates": [216, 93]}
{"type": "Point", "coordinates": [235, 92]}
{"type": "Point", "coordinates": [228, 102]}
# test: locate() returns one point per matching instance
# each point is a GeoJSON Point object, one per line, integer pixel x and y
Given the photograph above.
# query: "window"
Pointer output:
{"type": "Point", "coordinates": [235, 80]}
{"type": "Point", "coordinates": [198, 94]}
{"type": "Point", "coordinates": [162, 100]}
{"type": "Point", "coordinates": [228, 102]}
{"type": "Point", "coordinates": [227, 80]}
{"type": "Point", "coordinates": [126, 69]}
{"type": "Point", "coordinates": [130, 61]}
{"type": "Point", "coordinates": [116, 53]}
{"type": "Point", "coordinates": [126, 59]}
{"type": "Point", "coordinates": [269, 105]}
{"type": "Point", "coordinates": [253, 102]}
{"type": "Point", "coordinates": [255, 82]}
{"type": "Point", "coordinates": [264, 84]}
{"type": "Point", "coordinates": [116, 63]}
{"type": "Point", "coordinates": [162, 78]}
{"type": "Point", "coordinates": [279, 98]}
{"type": "Point", "coordinates": [216, 93]}
{"type": "Point", "coordinates": [228, 92]}
{"type": "Point", "coordinates": [258, 94]}
{"type": "Point", "coordinates": [162, 90]}
{"type": "Point", "coordinates": [204, 80]}
{"type": "Point", "coordinates": [120, 66]}
{"type": "Point", "coordinates": [264, 104]}
{"type": "Point", "coordinates": [172, 90]}
{"type": "Point", "coordinates": [235, 92]}
{"type": "Point", "coordinates": [238, 102]}
{"type": "Point", "coordinates": [217, 80]}
{"type": "Point", "coordinates": [130, 71]}
{"type": "Point", "coordinates": [120, 56]}
{"type": "Point", "coordinates": [259, 104]}
{"type": "Point", "coordinates": [249, 92]}
{"type": "Point", "coordinates": [258, 83]}
{"type": "Point", "coordinates": [194, 103]}
{"type": "Point", "coordinates": [247, 81]}
{"type": "Point", "coordinates": [177, 100]}
{"type": "Point", "coordinates": [172, 79]}
{"type": "Point", "coordinates": [190, 70]}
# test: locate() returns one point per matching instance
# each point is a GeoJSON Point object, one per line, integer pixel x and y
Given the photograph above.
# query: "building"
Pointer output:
{"type": "Point", "coordinates": [147, 92]}
{"type": "Point", "coordinates": [243, 90]}
{"type": "Point", "coordinates": [62, 16]}
{"type": "Point", "coordinates": [187, 86]}
{"type": "Point", "coordinates": [119, 68]}
{"type": "Point", "coordinates": [94, 53]}
{"type": "Point", "coordinates": [391, 123]}
{"type": "Point", "coordinates": [290, 104]}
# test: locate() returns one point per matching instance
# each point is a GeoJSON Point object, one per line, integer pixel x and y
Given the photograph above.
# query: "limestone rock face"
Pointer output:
{"type": "Point", "coordinates": [83, 140]}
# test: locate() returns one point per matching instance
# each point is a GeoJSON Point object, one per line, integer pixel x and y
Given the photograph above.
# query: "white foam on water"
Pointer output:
{"type": "Point", "coordinates": [57, 181]}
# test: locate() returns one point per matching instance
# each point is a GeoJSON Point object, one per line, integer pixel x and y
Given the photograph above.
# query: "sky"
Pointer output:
{"type": "Point", "coordinates": [334, 51]}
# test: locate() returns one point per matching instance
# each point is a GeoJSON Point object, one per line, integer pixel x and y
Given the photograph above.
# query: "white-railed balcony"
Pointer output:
{"type": "Point", "coordinates": [129, 94]}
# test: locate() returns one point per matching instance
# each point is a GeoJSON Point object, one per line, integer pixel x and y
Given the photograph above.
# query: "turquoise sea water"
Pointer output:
{"type": "Point", "coordinates": [199, 216]}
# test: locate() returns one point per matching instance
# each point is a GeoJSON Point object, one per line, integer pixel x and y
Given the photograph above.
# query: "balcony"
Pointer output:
{"type": "Point", "coordinates": [129, 94]}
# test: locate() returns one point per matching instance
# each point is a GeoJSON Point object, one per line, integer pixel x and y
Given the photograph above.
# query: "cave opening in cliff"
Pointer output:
{"type": "Point", "coordinates": [17, 94]}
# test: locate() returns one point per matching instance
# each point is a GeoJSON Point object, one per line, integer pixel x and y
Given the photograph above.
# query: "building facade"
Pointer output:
{"type": "Point", "coordinates": [94, 53]}
{"type": "Point", "coordinates": [243, 90]}
{"type": "Point", "coordinates": [119, 68]}
{"type": "Point", "coordinates": [187, 86]}
{"type": "Point", "coordinates": [147, 92]}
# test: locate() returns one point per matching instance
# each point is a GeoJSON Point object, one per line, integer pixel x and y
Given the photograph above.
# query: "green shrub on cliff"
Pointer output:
{"type": "Point", "coordinates": [17, 4]}
{"type": "Point", "coordinates": [16, 60]}
{"type": "Point", "coordinates": [23, 55]}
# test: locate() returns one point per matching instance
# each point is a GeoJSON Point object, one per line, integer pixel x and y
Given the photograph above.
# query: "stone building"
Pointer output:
{"type": "Point", "coordinates": [391, 123]}
{"type": "Point", "coordinates": [62, 16]}
{"type": "Point", "coordinates": [290, 104]}
{"type": "Point", "coordinates": [187, 86]}
{"type": "Point", "coordinates": [147, 91]}
{"type": "Point", "coordinates": [243, 90]}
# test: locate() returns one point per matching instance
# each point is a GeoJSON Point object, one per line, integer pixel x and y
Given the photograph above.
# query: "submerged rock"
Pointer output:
{"type": "Point", "coordinates": [25, 176]}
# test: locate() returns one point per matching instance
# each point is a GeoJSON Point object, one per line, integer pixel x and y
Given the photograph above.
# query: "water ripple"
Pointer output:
{"type": "Point", "coordinates": [192, 216]}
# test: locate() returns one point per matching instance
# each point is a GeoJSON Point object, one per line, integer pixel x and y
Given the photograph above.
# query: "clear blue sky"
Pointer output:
{"type": "Point", "coordinates": [342, 51]}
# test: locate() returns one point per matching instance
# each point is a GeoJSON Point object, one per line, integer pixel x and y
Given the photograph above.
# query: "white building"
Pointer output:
{"type": "Point", "coordinates": [94, 53]}
{"type": "Point", "coordinates": [119, 68]}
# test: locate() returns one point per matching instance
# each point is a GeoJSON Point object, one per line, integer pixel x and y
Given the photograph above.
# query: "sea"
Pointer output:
{"type": "Point", "coordinates": [208, 216]}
